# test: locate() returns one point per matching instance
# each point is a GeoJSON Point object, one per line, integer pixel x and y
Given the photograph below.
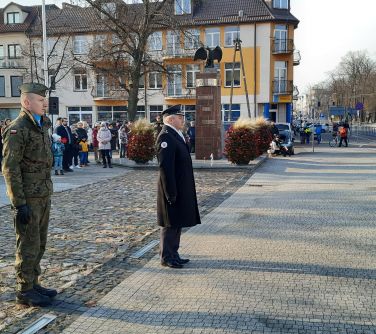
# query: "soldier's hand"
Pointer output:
{"type": "Point", "coordinates": [23, 214]}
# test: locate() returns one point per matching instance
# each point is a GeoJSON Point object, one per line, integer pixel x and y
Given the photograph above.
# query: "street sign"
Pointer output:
{"type": "Point", "coordinates": [359, 106]}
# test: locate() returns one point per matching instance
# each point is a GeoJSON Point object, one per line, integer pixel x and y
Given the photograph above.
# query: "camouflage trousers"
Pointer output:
{"type": "Point", "coordinates": [31, 242]}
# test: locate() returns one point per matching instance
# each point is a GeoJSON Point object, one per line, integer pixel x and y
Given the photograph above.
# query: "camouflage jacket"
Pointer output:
{"type": "Point", "coordinates": [27, 158]}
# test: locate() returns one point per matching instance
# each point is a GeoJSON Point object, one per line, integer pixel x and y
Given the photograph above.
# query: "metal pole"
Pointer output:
{"type": "Point", "coordinates": [244, 79]}
{"type": "Point", "coordinates": [45, 65]}
{"type": "Point", "coordinates": [232, 79]}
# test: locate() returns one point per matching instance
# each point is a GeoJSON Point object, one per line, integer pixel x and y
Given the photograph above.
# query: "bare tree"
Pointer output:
{"type": "Point", "coordinates": [123, 56]}
{"type": "Point", "coordinates": [60, 60]}
{"type": "Point", "coordinates": [353, 81]}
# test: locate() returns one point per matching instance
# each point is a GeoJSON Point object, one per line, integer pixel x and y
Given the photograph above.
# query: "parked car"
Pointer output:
{"type": "Point", "coordinates": [283, 126]}
{"type": "Point", "coordinates": [287, 139]}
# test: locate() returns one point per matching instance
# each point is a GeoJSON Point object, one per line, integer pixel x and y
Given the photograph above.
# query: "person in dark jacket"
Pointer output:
{"type": "Point", "coordinates": [81, 132]}
{"type": "Point", "coordinates": [176, 199]}
{"type": "Point", "coordinates": [192, 136]}
{"type": "Point", "coordinates": [67, 139]}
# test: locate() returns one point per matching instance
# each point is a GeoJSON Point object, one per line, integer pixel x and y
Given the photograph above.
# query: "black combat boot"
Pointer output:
{"type": "Point", "coordinates": [44, 291]}
{"type": "Point", "coordinates": [32, 298]}
{"type": "Point", "coordinates": [109, 162]}
{"type": "Point", "coordinates": [56, 172]}
{"type": "Point", "coordinates": [61, 172]}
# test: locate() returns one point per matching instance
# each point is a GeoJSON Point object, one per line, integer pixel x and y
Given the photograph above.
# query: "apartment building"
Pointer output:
{"type": "Point", "coordinates": [266, 29]}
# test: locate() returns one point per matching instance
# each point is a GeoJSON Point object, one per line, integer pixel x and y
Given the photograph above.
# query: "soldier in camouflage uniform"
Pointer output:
{"type": "Point", "coordinates": [26, 168]}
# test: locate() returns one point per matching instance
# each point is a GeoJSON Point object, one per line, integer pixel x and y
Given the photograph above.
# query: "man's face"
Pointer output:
{"type": "Point", "coordinates": [37, 104]}
{"type": "Point", "coordinates": [65, 122]}
{"type": "Point", "coordinates": [178, 122]}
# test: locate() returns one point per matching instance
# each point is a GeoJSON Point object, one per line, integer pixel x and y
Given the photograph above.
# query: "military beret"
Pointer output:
{"type": "Point", "coordinates": [174, 110]}
{"type": "Point", "coordinates": [33, 87]}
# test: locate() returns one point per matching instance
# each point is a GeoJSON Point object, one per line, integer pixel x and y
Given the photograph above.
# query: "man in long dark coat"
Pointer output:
{"type": "Point", "coordinates": [176, 200]}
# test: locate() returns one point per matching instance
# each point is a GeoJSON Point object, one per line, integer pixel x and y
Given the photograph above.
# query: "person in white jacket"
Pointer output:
{"type": "Point", "coordinates": [104, 144]}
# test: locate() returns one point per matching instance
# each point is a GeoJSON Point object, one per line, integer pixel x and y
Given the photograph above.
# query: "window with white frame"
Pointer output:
{"type": "Point", "coordinates": [280, 77]}
{"type": "Point", "coordinates": [173, 43]}
{"type": "Point", "coordinates": [174, 80]}
{"type": "Point", "coordinates": [229, 117]}
{"type": "Point", "coordinates": [15, 83]}
{"type": "Point", "coordinates": [191, 72]}
{"type": "Point", "coordinates": [155, 41]}
{"type": "Point", "coordinates": [115, 113]}
{"type": "Point", "coordinates": [140, 112]}
{"type": "Point", "coordinates": [229, 77]}
{"type": "Point", "coordinates": [100, 43]}
{"type": "Point", "coordinates": [212, 37]}
{"type": "Point", "coordinates": [80, 79]}
{"type": "Point", "coordinates": [80, 45]}
{"type": "Point", "coordinates": [192, 39]}
{"type": "Point", "coordinates": [52, 78]}
{"type": "Point", "coordinates": [155, 110]}
{"type": "Point", "coordinates": [183, 7]}
{"type": "Point", "coordinates": [231, 34]}
{"type": "Point", "coordinates": [14, 51]}
{"type": "Point", "coordinates": [78, 113]}
{"type": "Point", "coordinates": [280, 38]}
{"type": "Point", "coordinates": [13, 18]}
{"type": "Point", "coordinates": [52, 46]}
{"type": "Point", "coordinates": [281, 4]}
{"type": "Point", "coordinates": [2, 55]}
{"type": "Point", "coordinates": [155, 80]}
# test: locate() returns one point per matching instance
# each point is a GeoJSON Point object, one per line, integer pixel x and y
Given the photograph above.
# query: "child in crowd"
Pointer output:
{"type": "Point", "coordinates": [58, 150]}
{"type": "Point", "coordinates": [84, 152]}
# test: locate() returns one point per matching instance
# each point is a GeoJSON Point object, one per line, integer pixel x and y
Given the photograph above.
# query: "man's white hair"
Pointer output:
{"type": "Point", "coordinates": [167, 118]}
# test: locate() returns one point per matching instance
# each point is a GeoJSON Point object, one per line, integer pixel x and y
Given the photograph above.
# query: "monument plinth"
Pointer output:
{"type": "Point", "coordinates": [208, 115]}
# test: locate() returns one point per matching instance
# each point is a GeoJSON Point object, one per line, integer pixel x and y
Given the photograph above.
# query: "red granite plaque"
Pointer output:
{"type": "Point", "coordinates": [208, 116]}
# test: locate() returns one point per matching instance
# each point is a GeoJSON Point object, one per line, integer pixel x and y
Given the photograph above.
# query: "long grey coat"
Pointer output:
{"type": "Point", "coordinates": [176, 199]}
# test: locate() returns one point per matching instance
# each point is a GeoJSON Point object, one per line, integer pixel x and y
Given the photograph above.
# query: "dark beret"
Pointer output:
{"type": "Point", "coordinates": [174, 110]}
{"type": "Point", "coordinates": [34, 87]}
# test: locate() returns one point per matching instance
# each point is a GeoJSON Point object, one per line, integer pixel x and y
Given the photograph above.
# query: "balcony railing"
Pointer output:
{"type": "Point", "coordinates": [170, 53]}
{"type": "Point", "coordinates": [108, 93]}
{"type": "Point", "coordinates": [178, 92]}
{"type": "Point", "coordinates": [6, 62]}
{"type": "Point", "coordinates": [280, 46]}
{"type": "Point", "coordinates": [297, 57]}
{"type": "Point", "coordinates": [281, 87]}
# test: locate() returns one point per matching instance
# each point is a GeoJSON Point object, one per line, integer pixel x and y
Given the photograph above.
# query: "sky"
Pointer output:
{"type": "Point", "coordinates": [328, 29]}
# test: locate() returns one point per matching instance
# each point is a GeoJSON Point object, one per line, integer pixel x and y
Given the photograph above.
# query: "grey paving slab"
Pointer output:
{"type": "Point", "coordinates": [77, 178]}
{"type": "Point", "coordinates": [292, 251]}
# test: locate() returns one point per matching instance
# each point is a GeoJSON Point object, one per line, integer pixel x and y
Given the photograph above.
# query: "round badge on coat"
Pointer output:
{"type": "Point", "coordinates": [164, 144]}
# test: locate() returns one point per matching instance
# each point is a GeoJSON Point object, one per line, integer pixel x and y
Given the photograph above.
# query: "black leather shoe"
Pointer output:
{"type": "Point", "coordinates": [171, 264]}
{"type": "Point", "coordinates": [32, 298]}
{"type": "Point", "coordinates": [182, 261]}
{"type": "Point", "coordinates": [44, 291]}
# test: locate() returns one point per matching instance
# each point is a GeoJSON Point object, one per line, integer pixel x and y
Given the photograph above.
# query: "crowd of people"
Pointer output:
{"type": "Point", "coordinates": [71, 144]}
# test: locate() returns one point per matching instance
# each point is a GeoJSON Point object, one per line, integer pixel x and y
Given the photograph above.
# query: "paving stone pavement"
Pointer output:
{"type": "Point", "coordinates": [292, 251]}
{"type": "Point", "coordinates": [94, 227]}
